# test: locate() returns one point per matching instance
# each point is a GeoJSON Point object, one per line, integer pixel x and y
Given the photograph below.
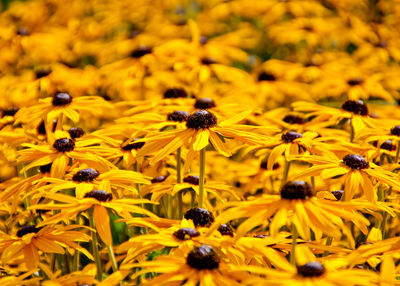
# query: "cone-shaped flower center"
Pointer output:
{"type": "Point", "coordinates": [200, 217]}
{"type": "Point", "coordinates": [100, 195]}
{"type": "Point", "coordinates": [85, 175]}
{"type": "Point", "coordinates": [43, 72]}
{"type": "Point", "coordinates": [186, 233]}
{"type": "Point", "coordinates": [175, 93]}
{"type": "Point", "coordinates": [10, 112]}
{"type": "Point", "coordinates": [355, 161]}
{"type": "Point", "coordinates": [311, 269]}
{"type": "Point", "coordinates": [356, 107]}
{"type": "Point", "coordinates": [194, 180]}
{"type": "Point", "coordinates": [133, 145]}
{"type": "Point", "coordinates": [293, 119]}
{"type": "Point", "coordinates": [265, 76]}
{"type": "Point", "coordinates": [204, 103]}
{"type": "Point", "coordinates": [225, 229]}
{"type": "Point", "coordinates": [141, 51]}
{"type": "Point", "coordinates": [203, 257]}
{"type": "Point", "coordinates": [45, 168]}
{"type": "Point", "coordinates": [395, 130]}
{"type": "Point", "coordinates": [61, 99]}
{"type": "Point", "coordinates": [387, 145]}
{"type": "Point", "coordinates": [296, 190]}
{"type": "Point", "coordinates": [64, 145]}
{"type": "Point", "coordinates": [76, 132]}
{"type": "Point", "coordinates": [208, 61]}
{"type": "Point", "coordinates": [338, 194]}
{"type": "Point", "coordinates": [291, 136]}
{"type": "Point", "coordinates": [28, 229]}
{"type": "Point", "coordinates": [201, 119]}
{"type": "Point", "coordinates": [158, 179]}
{"type": "Point", "coordinates": [178, 116]}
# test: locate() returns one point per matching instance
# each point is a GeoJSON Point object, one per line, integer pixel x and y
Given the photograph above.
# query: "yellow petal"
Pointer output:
{"type": "Point", "coordinates": [218, 144]}
{"type": "Point", "coordinates": [59, 166]}
{"type": "Point", "coordinates": [201, 139]}
{"type": "Point", "coordinates": [102, 222]}
{"type": "Point", "coordinates": [31, 256]}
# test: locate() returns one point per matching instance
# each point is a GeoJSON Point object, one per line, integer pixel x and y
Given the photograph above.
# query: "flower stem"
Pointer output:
{"type": "Point", "coordinates": [397, 153]}
{"type": "Point", "coordinates": [95, 246]}
{"type": "Point", "coordinates": [328, 243]}
{"type": "Point", "coordinates": [179, 180]}
{"type": "Point", "coordinates": [112, 258]}
{"type": "Point", "coordinates": [201, 182]}
{"type": "Point", "coordinates": [351, 131]}
{"type": "Point", "coordinates": [294, 243]}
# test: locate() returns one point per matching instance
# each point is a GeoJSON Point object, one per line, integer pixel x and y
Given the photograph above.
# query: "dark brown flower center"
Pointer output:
{"type": "Point", "coordinates": [141, 51]}
{"type": "Point", "coordinates": [203, 257]}
{"type": "Point", "coordinates": [293, 119]}
{"type": "Point", "coordinates": [64, 145]}
{"type": "Point", "coordinates": [42, 72]}
{"type": "Point", "coordinates": [265, 76]}
{"type": "Point", "coordinates": [395, 130]}
{"type": "Point", "coordinates": [225, 229]}
{"type": "Point", "coordinates": [41, 129]}
{"type": "Point", "coordinates": [355, 81]}
{"type": "Point", "coordinates": [201, 119]}
{"type": "Point", "coordinates": [178, 116]}
{"type": "Point", "coordinates": [158, 179]}
{"type": "Point", "coordinates": [296, 190]}
{"type": "Point", "coordinates": [290, 136]}
{"type": "Point", "coordinates": [10, 112]}
{"type": "Point", "coordinates": [356, 107]}
{"type": "Point", "coordinates": [200, 217]}
{"type": "Point", "coordinates": [191, 179]}
{"type": "Point", "coordinates": [264, 165]}
{"type": "Point", "coordinates": [28, 229]}
{"type": "Point", "coordinates": [100, 195]}
{"type": "Point", "coordinates": [311, 269]}
{"type": "Point", "coordinates": [355, 161]}
{"type": "Point", "coordinates": [203, 40]}
{"type": "Point", "coordinates": [61, 99]}
{"type": "Point", "coordinates": [175, 93]}
{"type": "Point", "coordinates": [133, 145]}
{"type": "Point", "coordinates": [338, 194]}
{"type": "Point", "coordinates": [387, 145]}
{"type": "Point", "coordinates": [76, 132]}
{"type": "Point", "coordinates": [381, 44]}
{"type": "Point", "coordinates": [208, 61]}
{"type": "Point", "coordinates": [85, 175]}
{"type": "Point", "coordinates": [204, 103]}
{"type": "Point", "coordinates": [45, 168]}
{"type": "Point", "coordinates": [260, 236]}
{"type": "Point", "coordinates": [186, 233]}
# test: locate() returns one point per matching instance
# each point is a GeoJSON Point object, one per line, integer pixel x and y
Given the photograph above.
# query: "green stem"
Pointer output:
{"type": "Point", "coordinates": [112, 258]}
{"type": "Point", "coordinates": [397, 153]}
{"type": "Point", "coordinates": [95, 246]}
{"type": "Point", "coordinates": [351, 131]}
{"type": "Point", "coordinates": [294, 243]}
{"type": "Point", "coordinates": [179, 180]}
{"type": "Point", "coordinates": [66, 263]}
{"type": "Point", "coordinates": [201, 183]}
{"type": "Point", "coordinates": [285, 173]}
{"type": "Point", "coordinates": [328, 243]}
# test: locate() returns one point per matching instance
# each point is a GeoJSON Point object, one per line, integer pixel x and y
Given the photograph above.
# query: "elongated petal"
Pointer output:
{"type": "Point", "coordinates": [102, 222]}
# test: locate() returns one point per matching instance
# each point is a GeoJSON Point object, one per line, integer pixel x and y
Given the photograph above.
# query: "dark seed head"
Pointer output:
{"type": "Point", "coordinates": [100, 195]}
{"type": "Point", "coordinates": [200, 217]}
{"type": "Point", "coordinates": [381, 44]}
{"type": "Point", "coordinates": [293, 119]}
{"type": "Point", "coordinates": [296, 190]}
{"type": "Point", "coordinates": [311, 269]}
{"type": "Point", "coordinates": [260, 236]}
{"type": "Point", "coordinates": [355, 81]}
{"type": "Point", "coordinates": [45, 168]}
{"type": "Point", "coordinates": [41, 129]}
{"type": "Point", "coordinates": [204, 103]}
{"type": "Point", "coordinates": [22, 32]}
{"type": "Point", "coordinates": [203, 40]}
{"type": "Point", "coordinates": [85, 175]}
{"type": "Point", "coordinates": [201, 119]}
{"type": "Point", "coordinates": [265, 76]}
{"type": "Point", "coordinates": [10, 112]}
{"type": "Point", "coordinates": [395, 130]}
{"type": "Point", "coordinates": [64, 145]}
{"type": "Point", "coordinates": [28, 229]}
{"type": "Point", "coordinates": [356, 107]}
{"type": "Point", "coordinates": [208, 61]}
{"type": "Point", "coordinates": [175, 93]}
{"type": "Point", "coordinates": [225, 229]}
{"type": "Point", "coordinates": [290, 136]}
{"type": "Point", "coordinates": [203, 257]}
{"type": "Point", "coordinates": [186, 233]}
{"type": "Point", "coordinates": [141, 51]}
{"type": "Point", "coordinates": [191, 179]}
{"type": "Point", "coordinates": [178, 116]}
{"type": "Point", "coordinates": [133, 145]}
{"type": "Point", "coordinates": [61, 99]}
{"type": "Point", "coordinates": [355, 161]}
{"type": "Point", "coordinates": [158, 179]}
{"type": "Point", "coordinates": [338, 194]}
{"type": "Point", "coordinates": [42, 73]}
{"type": "Point", "coordinates": [387, 145]}
{"type": "Point", "coordinates": [76, 132]}
{"type": "Point", "coordinates": [264, 165]}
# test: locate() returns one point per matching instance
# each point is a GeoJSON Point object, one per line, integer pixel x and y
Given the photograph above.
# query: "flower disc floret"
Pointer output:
{"type": "Point", "coordinates": [296, 190]}
{"type": "Point", "coordinates": [356, 106]}
{"type": "Point", "coordinates": [191, 179]}
{"type": "Point", "coordinates": [64, 145]}
{"type": "Point", "coordinates": [264, 76]}
{"type": "Point", "coordinates": [356, 162]}
{"type": "Point", "coordinates": [200, 217]}
{"type": "Point", "coordinates": [395, 130]}
{"type": "Point", "coordinates": [203, 257]}
{"type": "Point", "coordinates": [290, 136]}
{"type": "Point", "coordinates": [201, 119]}
{"type": "Point", "coordinates": [178, 116]}
{"type": "Point", "coordinates": [76, 132]}
{"type": "Point", "coordinates": [61, 99]}
{"type": "Point", "coordinates": [186, 233]}
{"type": "Point", "coordinates": [293, 119]}
{"type": "Point", "coordinates": [100, 195]}
{"type": "Point", "coordinates": [28, 229]}
{"type": "Point", "coordinates": [311, 269]}
{"type": "Point", "coordinates": [225, 229]}
{"type": "Point", "coordinates": [175, 93]}
{"type": "Point", "coordinates": [338, 194]}
{"type": "Point", "coordinates": [133, 145]}
{"type": "Point", "coordinates": [85, 175]}
{"type": "Point", "coordinates": [45, 168]}
{"type": "Point", "coordinates": [141, 51]}
{"type": "Point", "coordinates": [204, 103]}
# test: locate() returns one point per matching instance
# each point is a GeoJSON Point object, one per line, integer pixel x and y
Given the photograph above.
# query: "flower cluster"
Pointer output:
{"type": "Point", "coordinates": [200, 142]}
